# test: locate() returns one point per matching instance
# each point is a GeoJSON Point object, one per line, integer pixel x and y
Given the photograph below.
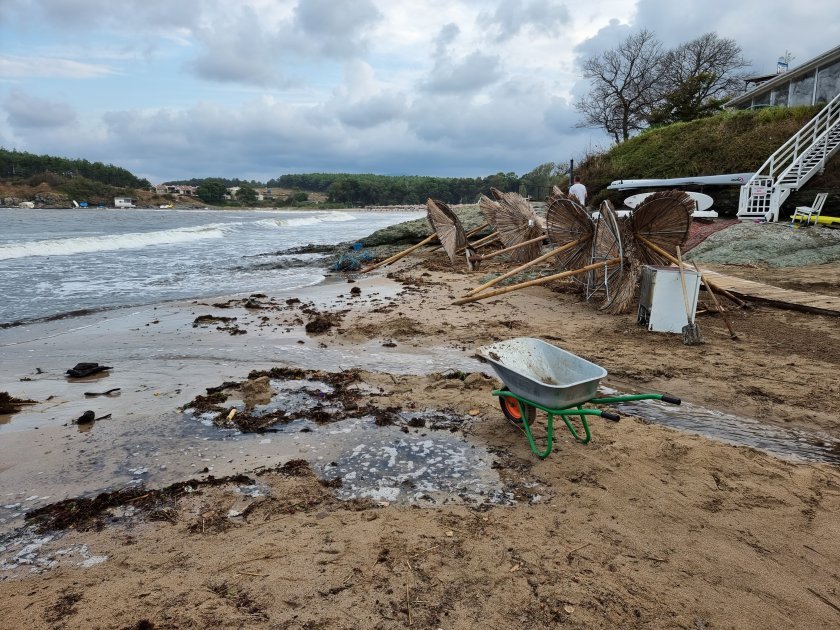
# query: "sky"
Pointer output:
{"type": "Point", "coordinates": [254, 89]}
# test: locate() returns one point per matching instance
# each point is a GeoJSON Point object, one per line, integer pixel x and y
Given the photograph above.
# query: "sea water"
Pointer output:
{"type": "Point", "coordinates": [60, 262]}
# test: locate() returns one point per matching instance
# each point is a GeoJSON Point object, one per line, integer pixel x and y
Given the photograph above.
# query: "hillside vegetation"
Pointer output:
{"type": "Point", "coordinates": [730, 142]}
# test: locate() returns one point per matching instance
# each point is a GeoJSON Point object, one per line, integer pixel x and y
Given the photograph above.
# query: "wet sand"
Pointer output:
{"type": "Point", "coordinates": [646, 526]}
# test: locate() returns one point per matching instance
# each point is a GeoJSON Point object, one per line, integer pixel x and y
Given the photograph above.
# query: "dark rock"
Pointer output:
{"type": "Point", "coordinates": [86, 418]}
{"type": "Point", "coordinates": [86, 369]}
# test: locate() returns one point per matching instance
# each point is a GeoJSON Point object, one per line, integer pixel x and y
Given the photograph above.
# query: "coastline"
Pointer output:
{"type": "Point", "coordinates": [645, 526]}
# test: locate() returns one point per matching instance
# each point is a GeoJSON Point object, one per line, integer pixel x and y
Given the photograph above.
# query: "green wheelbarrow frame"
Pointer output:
{"type": "Point", "coordinates": [573, 410]}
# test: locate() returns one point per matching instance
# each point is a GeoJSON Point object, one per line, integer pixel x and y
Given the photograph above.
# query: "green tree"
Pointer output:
{"type": "Point", "coordinates": [211, 192]}
{"type": "Point", "coordinates": [698, 77]}
{"type": "Point", "coordinates": [247, 195]}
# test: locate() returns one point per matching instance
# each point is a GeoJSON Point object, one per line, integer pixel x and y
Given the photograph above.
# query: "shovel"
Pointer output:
{"type": "Point", "coordinates": [690, 332]}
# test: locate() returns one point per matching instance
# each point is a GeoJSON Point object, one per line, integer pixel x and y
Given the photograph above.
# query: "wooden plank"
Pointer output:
{"type": "Point", "coordinates": [777, 296]}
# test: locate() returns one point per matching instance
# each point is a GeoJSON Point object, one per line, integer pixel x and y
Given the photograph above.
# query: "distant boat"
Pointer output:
{"type": "Point", "coordinates": [165, 206]}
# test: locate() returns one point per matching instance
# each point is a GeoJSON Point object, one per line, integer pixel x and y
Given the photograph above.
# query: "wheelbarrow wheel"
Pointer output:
{"type": "Point", "coordinates": [511, 408]}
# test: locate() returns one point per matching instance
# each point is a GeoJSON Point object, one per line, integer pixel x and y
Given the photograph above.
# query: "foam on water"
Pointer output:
{"type": "Point", "coordinates": [108, 242]}
{"type": "Point", "coordinates": [59, 262]}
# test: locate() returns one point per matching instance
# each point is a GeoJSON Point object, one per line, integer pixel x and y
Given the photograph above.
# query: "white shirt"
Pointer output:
{"type": "Point", "coordinates": [579, 191]}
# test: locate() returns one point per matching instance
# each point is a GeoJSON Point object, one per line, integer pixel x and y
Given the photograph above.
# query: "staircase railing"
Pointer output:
{"type": "Point", "coordinates": [765, 192]}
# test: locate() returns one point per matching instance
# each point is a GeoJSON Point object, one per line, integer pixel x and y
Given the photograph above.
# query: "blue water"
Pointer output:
{"type": "Point", "coordinates": [54, 262]}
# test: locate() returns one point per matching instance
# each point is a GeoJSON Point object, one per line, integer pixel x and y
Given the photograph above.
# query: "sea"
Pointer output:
{"type": "Point", "coordinates": [61, 263]}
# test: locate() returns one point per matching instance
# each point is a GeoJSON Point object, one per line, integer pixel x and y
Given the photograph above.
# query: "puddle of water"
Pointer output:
{"type": "Point", "coordinates": [738, 430]}
{"type": "Point", "coordinates": [431, 466]}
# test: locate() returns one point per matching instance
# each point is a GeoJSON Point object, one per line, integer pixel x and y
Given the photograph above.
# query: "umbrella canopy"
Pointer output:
{"type": "Point", "coordinates": [516, 222]}
{"type": "Point", "coordinates": [556, 192]}
{"type": "Point", "coordinates": [447, 226]}
{"type": "Point", "coordinates": [566, 222]}
{"type": "Point", "coordinates": [488, 208]}
{"type": "Point", "coordinates": [607, 244]}
{"type": "Point", "coordinates": [664, 219]}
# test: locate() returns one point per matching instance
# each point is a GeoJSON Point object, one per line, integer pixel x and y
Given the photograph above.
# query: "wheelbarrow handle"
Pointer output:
{"type": "Point", "coordinates": [671, 399]}
{"type": "Point", "coordinates": [608, 415]}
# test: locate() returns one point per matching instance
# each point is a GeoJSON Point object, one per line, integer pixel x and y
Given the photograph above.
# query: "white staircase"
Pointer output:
{"type": "Point", "coordinates": [792, 165]}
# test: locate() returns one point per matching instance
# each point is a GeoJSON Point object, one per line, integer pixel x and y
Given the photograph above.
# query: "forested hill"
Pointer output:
{"type": "Point", "coordinates": [18, 166]}
{"type": "Point", "coordinates": [729, 142]}
{"type": "Point", "coordinates": [367, 189]}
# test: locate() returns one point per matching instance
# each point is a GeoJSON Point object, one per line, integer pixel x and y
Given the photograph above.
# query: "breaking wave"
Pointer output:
{"type": "Point", "coordinates": [107, 242]}
{"type": "Point", "coordinates": [330, 217]}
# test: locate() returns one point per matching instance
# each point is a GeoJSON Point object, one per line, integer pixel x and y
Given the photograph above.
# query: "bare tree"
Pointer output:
{"type": "Point", "coordinates": [627, 85]}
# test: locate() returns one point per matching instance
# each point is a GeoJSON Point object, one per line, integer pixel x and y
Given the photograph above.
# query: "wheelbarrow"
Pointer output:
{"type": "Point", "coordinates": [537, 375]}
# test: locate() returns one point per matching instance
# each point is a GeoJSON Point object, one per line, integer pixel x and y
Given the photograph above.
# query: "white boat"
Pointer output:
{"type": "Point", "coordinates": [732, 179]}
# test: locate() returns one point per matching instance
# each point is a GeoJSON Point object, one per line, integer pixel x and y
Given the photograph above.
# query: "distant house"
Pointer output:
{"type": "Point", "coordinates": [815, 81]}
{"type": "Point", "coordinates": [124, 202]}
{"type": "Point", "coordinates": [170, 189]}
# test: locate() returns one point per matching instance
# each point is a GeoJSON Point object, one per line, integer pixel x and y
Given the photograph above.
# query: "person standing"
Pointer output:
{"type": "Point", "coordinates": [578, 191]}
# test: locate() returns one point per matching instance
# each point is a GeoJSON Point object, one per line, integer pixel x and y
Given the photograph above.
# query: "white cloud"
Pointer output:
{"type": "Point", "coordinates": [26, 111]}
{"type": "Point", "coordinates": [238, 51]}
{"type": "Point", "coordinates": [50, 67]}
{"type": "Point", "coordinates": [338, 29]}
{"type": "Point", "coordinates": [512, 17]}
{"type": "Point", "coordinates": [467, 75]}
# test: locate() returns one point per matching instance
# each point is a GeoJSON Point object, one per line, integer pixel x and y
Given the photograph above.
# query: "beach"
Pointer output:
{"type": "Point", "coordinates": [421, 506]}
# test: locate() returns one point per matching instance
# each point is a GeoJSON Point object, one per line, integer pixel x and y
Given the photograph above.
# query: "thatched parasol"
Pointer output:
{"type": "Point", "coordinates": [555, 193]}
{"type": "Point", "coordinates": [516, 222]}
{"type": "Point", "coordinates": [488, 208]}
{"type": "Point", "coordinates": [566, 222]}
{"type": "Point", "coordinates": [663, 219]}
{"type": "Point", "coordinates": [607, 244]}
{"type": "Point", "coordinates": [447, 226]}
{"type": "Point", "coordinates": [620, 287]}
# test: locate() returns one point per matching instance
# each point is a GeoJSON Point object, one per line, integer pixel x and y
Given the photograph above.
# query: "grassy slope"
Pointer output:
{"type": "Point", "coordinates": [731, 142]}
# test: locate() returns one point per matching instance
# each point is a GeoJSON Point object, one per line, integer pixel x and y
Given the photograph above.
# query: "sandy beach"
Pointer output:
{"type": "Point", "coordinates": [647, 526]}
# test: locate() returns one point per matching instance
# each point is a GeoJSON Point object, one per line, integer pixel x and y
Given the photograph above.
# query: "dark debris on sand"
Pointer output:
{"type": "Point", "coordinates": [9, 404]}
{"type": "Point", "coordinates": [84, 514]}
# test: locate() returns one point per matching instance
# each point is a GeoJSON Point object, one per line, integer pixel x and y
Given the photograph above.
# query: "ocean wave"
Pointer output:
{"type": "Point", "coordinates": [89, 244]}
{"type": "Point", "coordinates": [329, 217]}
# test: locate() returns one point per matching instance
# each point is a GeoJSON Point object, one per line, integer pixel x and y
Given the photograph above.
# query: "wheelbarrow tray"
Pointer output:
{"type": "Point", "coordinates": [543, 373]}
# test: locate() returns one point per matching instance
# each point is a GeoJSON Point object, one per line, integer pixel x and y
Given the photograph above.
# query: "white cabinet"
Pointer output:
{"type": "Point", "coordinates": [661, 304]}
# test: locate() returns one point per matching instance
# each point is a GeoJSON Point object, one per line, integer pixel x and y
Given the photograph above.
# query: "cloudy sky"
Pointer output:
{"type": "Point", "coordinates": [254, 89]}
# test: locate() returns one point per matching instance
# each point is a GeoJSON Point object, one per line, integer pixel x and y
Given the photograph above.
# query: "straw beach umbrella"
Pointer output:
{"type": "Point", "coordinates": [516, 222]}
{"type": "Point", "coordinates": [664, 219]}
{"type": "Point", "coordinates": [447, 226]}
{"type": "Point", "coordinates": [568, 222]}
{"type": "Point", "coordinates": [488, 208]}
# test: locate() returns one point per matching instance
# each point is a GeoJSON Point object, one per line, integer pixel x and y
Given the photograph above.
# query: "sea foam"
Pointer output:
{"type": "Point", "coordinates": [107, 242]}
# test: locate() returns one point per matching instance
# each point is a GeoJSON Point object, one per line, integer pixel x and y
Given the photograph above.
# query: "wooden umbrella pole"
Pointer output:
{"type": "Point", "coordinates": [537, 281]}
{"type": "Point", "coordinates": [654, 247]}
{"type": "Point", "coordinates": [720, 310]}
{"type": "Point", "coordinates": [527, 265]}
{"type": "Point", "coordinates": [513, 247]}
{"type": "Point", "coordinates": [399, 255]}
{"type": "Point", "coordinates": [485, 240]}
{"type": "Point", "coordinates": [478, 229]}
